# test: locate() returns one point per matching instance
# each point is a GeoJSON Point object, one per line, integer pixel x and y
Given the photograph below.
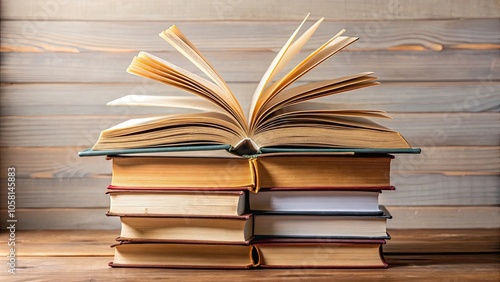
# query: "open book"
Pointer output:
{"type": "Point", "coordinates": [279, 115]}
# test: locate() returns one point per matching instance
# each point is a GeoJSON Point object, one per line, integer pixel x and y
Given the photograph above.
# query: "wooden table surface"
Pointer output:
{"type": "Point", "coordinates": [413, 255]}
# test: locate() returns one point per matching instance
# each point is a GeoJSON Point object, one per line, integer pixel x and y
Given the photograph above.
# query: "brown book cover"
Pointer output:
{"type": "Point", "coordinates": [320, 253]}
{"type": "Point", "coordinates": [188, 229]}
{"type": "Point", "coordinates": [278, 170]}
{"type": "Point", "coordinates": [179, 255]}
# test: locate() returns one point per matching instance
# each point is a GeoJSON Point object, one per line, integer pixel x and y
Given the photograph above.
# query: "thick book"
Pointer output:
{"type": "Point", "coordinates": [321, 225]}
{"type": "Point", "coordinates": [320, 253]}
{"type": "Point", "coordinates": [228, 151]}
{"type": "Point", "coordinates": [177, 202]}
{"type": "Point", "coordinates": [176, 255]}
{"type": "Point", "coordinates": [293, 170]}
{"type": "Point", "coordinates": [189, 229]}
{"type": "Point", "coordinates": [358, 201]}
{"type": "Point", "coordinates": [278, 116]}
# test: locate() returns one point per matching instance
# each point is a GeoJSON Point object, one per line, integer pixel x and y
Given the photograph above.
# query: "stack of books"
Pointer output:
{"type": "Point", "coordinates": [323, 212]}
{"type": "Point", "coordinates": [182, 212]}
{"type": "Point", "coordinates": [291, 184]}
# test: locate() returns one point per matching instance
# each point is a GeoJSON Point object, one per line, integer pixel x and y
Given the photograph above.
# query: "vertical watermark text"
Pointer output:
{"type": "Point", "coordinates": [11, 219]}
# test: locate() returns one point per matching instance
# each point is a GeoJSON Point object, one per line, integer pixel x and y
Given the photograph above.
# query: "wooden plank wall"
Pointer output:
{"type": "Point", "coordinates": [438, 62]}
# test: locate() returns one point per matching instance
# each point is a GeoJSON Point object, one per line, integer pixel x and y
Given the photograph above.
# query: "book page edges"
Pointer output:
{"type": "Point", "coordinates": [269, 72]}
{"type": "Point", "coordinates": [262, 151]}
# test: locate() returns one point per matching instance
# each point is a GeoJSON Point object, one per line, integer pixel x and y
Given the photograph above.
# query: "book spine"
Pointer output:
{"type": "Point", "coordinates": [254, 171]}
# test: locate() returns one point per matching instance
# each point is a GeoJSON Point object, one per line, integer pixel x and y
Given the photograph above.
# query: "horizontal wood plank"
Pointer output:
{"type": "Point", "coordinates": [411, 190]}
{"type": "Point", "coordinates": [442, 241]}
{"type": "Point", "coordinates": [60, 192]}
{"type": "Point", "coordinates": [467, 217]}
{"type": "Point", "coordinates": [419, 189]}
{"type": "Point", "coordinates": [405, 267]}
{"type": "Point", "coordinates": [447, 65]}
{"type": "Point", "coordinates": [69, 218]}
{"type": "Point", "coordinates": [429, 217]}
{"type": "Point", "coordinates": [68, 58]}
{"type": "Point", "coordinates": [452, 161]}
{"type": "Point", "coordinates": [78, 36]}
{"type": "Point", "coordinates": [96, 243]}
{"type": "Point", "coordinates": [91, 99]}
{"type": "Point", "coordinates": [53, 162]}
{"type": "Point", "coordinates": [178, 10]}
{"type": "Point", "coordinates": [62, 243]}
{"type": "Point", "coordinates": [446, 129]}
{"type": "Point", "coordinates": [63, 162]}
{"type": "Point", "coordinates": [431, 129]}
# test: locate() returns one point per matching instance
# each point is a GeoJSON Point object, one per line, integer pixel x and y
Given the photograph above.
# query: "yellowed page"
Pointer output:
{"type": "Point", "coordinates": [144, 124]}
{"type": "Point", "coordinates": [179, 41]}
{"type": "Point", "coordinates": [297, 111]}
{"type": "Point", "coordinates": [194, 103]}
{"type": "Point", "coordinates": [164, 75]}
{"type": "Point", "coordinates": [323, 121]}
{"type": "Point", "coordinates": [318, 56]}
{"type": "Point", "coordinates": [341, 136]}
{"type": "Point", "coordinates": [182, 78]}
{"type": "Point", "coordinates": [314, 90]}
{"type": "Point", "coordinates": [171, 130]}
{"type": "Point", "coordinates": [182, 74]}
{"type": "Point", "coordinates": [271, 71]}
{"type": "Point", "coordinates": [295, 49]}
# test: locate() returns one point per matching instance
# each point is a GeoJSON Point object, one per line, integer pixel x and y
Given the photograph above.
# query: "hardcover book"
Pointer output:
{"type": "Point", "coordinates": [293, 170]}
{"type": "Point", "coordinates": [321, 225]}
{"type": "Point", "coordinates": [209, 229]}
{"type": "Point", "coordinates": [177, 202]}
{"type": "Point", "coordinates": [320, 253]}
{"type": "Point", "coordinates": [177, 255]}
{"type": "Point", "coordinates": [304, 201]}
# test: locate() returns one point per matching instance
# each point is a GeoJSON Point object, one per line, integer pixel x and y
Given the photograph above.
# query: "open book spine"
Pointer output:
{"type": "Point", "coordinates": [246, 146]}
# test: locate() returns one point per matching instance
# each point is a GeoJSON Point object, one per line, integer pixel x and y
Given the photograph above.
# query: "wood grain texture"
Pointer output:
{"type": "Point", "coordinates": [411, 190]}
{"type": "Point", "coordinates": [178, 10]}
{"type": "Point", "coordinates": [444, 217]}
{"type": "Point", "coordinates": [60, 193]}
{"type": "Point", "coordinates": [425, 217]}
{"type": "Point", "coordinates": [61, 61]}
{"type": "Point", "coordinates": [63, 243]}
{"type": "Point", "coordinates": [447, 65]}
{"type": "Point", "coordinates": [415, 189]}
{"type": "Point", "coordinates": [90, 99]}
{"type": "Point", "coordinates": [53, 162]}
{"type": "Point", "coordinates": [63, 162]}
{"type": "Point", "coordinates": [452, 161]}
{"type": "Point", "coordinates": [460, 267]}
{"type": "Point", "coordinates": [95, 243]}
{"type": "Point", "coordinates": [442, 241]}
{"type": "Point", "coordinates": [62, 218]}
{"type": "Point", "coordinates": [77, 36]}
{"type": "Point", "coordinates": [432, 129]}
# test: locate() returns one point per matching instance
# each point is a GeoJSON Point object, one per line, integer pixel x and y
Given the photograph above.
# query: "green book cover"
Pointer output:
{"type": "Point", "coordinates": [228, 148]}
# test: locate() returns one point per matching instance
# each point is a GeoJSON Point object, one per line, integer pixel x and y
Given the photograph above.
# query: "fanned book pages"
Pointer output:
{"type": "Point", "coordinates": [280, 115]}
